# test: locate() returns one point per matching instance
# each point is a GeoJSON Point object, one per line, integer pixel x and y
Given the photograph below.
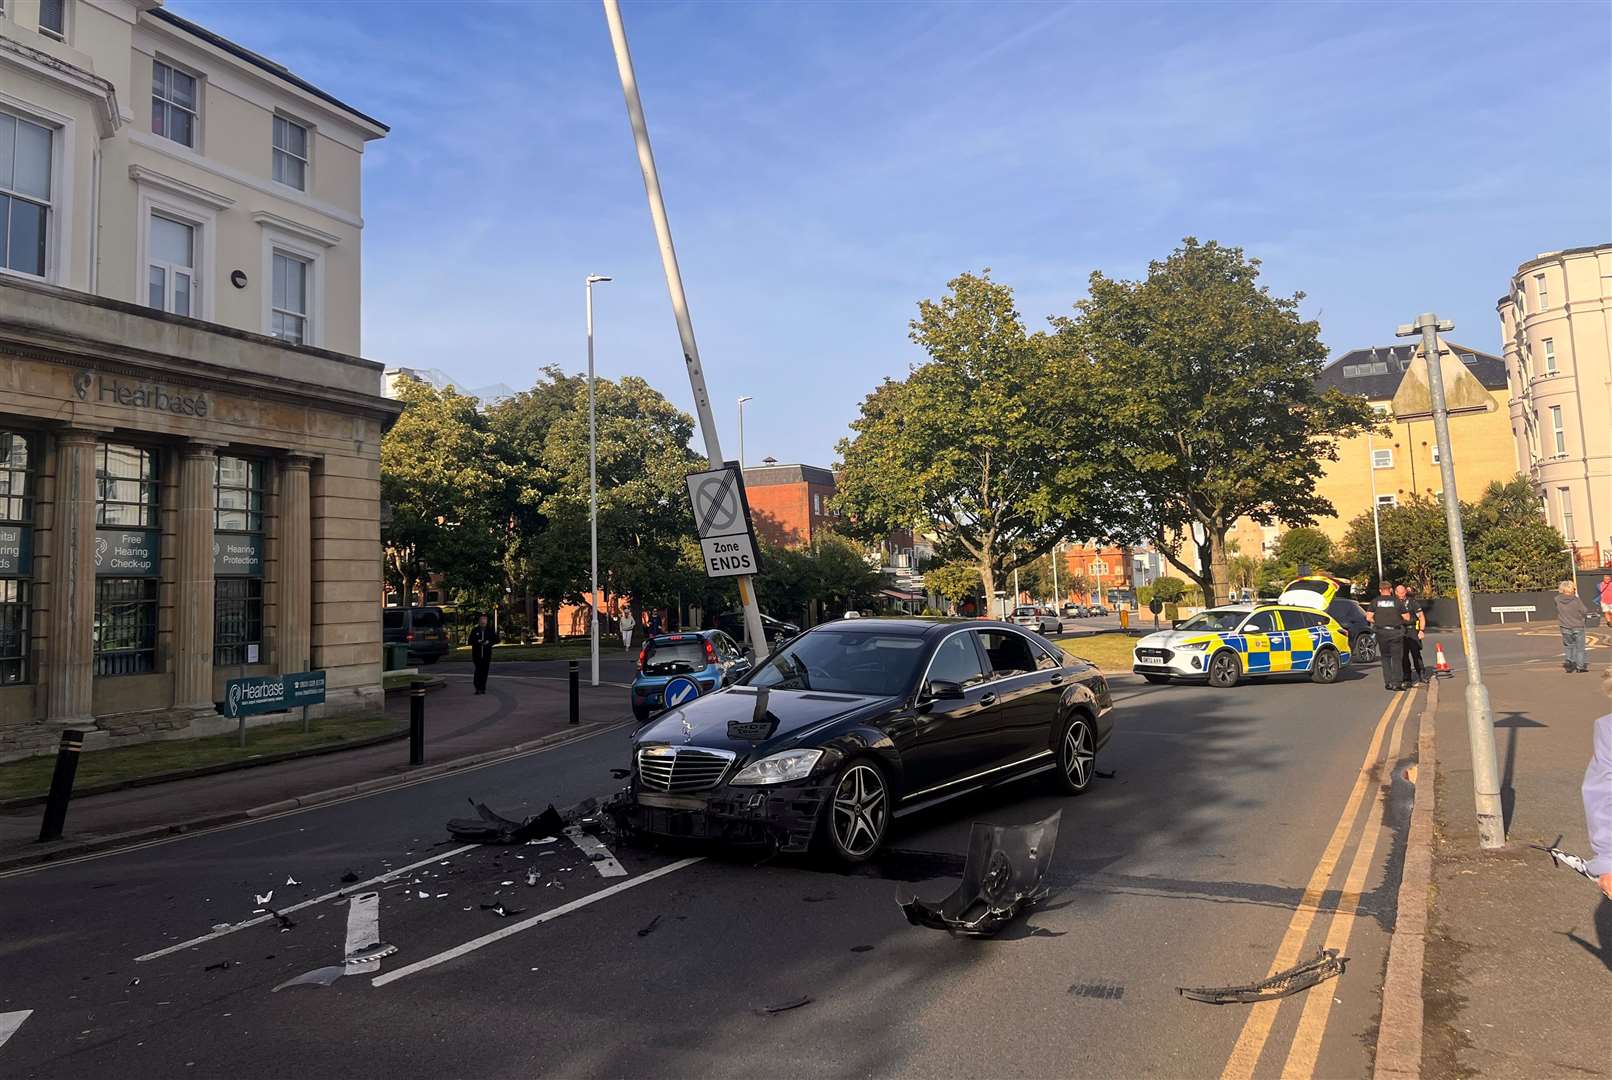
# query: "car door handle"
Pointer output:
{"type": "Point", "coordinates": [1057, 680]}
{"type": "Point", "coordinates": [987, 700]}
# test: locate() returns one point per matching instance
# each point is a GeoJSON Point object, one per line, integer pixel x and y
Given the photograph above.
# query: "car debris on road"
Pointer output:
{"type": "Point", "coordinates": [1325, 964]}
{"type": "Point", "coordinates": [492, 828]}
{"type": "Point", "coordinates": [1002, 876]}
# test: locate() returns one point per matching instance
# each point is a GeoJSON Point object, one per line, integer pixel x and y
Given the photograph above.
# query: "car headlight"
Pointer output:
{"type": "Point", "coordinates": [1193, 646]}
{"type": "Point", "coordinates": [778, 768]}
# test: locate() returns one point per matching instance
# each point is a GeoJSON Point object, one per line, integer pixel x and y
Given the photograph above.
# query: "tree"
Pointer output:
{"type": "Point", "coordinates": [1168, 589]}
{"type": "Point", "coordinates": [973, 446]}
{"type": "Point", "coordinates": [1077, 585]}
{"type": "Point", "coordinates": [956, 581]}
{"type": "Point", "coordinates": [440, 480]}
{"type": "Point", "coordinates": [1204, 384]}
{"type": "Point", "coordinates": [1305, 546]}
{"type": "Point", "coordinates": [1243, 572]}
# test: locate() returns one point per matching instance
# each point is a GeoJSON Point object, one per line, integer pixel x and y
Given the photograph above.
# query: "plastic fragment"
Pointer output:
{"type": "Point", "coordinates": [784, 1006]}
{"type": "Point", "coordinates": [1325, 964]}
{"type": "Point", "coordinates": [1002, 876]}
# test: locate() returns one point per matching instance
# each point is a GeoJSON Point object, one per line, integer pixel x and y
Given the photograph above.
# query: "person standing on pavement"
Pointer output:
{"type": "Point", "coordinates": [1414, 632]}
{"type": "Point", "coordinates": [1387, 617]}
{"type": "Point", "coordinates": [1571, 617]}
{"type": "Point", "coordinates": [626, 627]}
{"type": "Point", "coordinates": [482, 639]}
{"type": "Point", "coordinates": [1598, 798]}
{"type": "Point", "coordinates": [1605, 593]}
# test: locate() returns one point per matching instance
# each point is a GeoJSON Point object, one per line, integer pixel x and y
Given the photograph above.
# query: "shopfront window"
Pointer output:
{"type": "Point", "coordinates": [238, 561]}
{"type": "Point", "coordinates": [17, 465]}
{"type": "Point", "coordinates": [126, 564]}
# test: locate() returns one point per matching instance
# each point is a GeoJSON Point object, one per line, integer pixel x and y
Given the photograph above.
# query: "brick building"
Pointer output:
{"type": "Point", "coordinates": [789, 503]}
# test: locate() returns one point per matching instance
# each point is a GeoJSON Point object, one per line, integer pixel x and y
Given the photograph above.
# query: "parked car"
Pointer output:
{"type": "Point", "coordinates": [1096, 609]}
{"type": "Point", "coordinates": [422, 629]}
{"type": "Point", "coordinates": [1332, 595]}
{"type": "Point", "coordinates": [778, 631]}
{"type": "Point", "coordinates": [1227, 644]}
{"type": "Point", "coordinates": [1039, 619]}
{"type": "Point", "coordinates": [863, 721]}
{"type": "Point", "coordinates": [708, 658]}
{"type": "Point", "coordinates": [1073, 611]}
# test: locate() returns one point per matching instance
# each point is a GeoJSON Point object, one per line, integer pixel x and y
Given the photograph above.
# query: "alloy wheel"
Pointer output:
{"type": "Point", "coordinates": [1078, 755]}
{"type": "Point", "coordinates": [1223, 669]}
{"type": "Point", "coordinates": [1326, 666]}
{"type": "Point", "coordinates": [860, 810]}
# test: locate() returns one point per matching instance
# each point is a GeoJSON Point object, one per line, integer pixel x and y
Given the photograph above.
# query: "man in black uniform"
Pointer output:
{"type": "Point", "coordinates": [1415, 627]}
{"type": "Point", "coordinates": [1387, 615]}
{"type": "Point", "coordinates": [482, 640]}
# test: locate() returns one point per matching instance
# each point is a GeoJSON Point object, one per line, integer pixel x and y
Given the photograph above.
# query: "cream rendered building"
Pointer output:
{"type": "Point", "coordinates": [1556, 322]}
{"type": "Point", "coordinates": [189, 442]}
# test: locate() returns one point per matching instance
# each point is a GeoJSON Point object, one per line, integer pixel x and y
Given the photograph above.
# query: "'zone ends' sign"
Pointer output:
{"type": "Point", "coordinates": [722, 517]}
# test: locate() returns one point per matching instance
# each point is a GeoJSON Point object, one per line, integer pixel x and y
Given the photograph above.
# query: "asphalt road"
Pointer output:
{"type": "Point", "coordinates": [1187, 868]}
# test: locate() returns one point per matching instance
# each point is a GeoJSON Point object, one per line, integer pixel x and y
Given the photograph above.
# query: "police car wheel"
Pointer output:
{"type": "Point", "coordinates": [1324, 668]}
{"type": "Point", "coordinates": [1224, 671]}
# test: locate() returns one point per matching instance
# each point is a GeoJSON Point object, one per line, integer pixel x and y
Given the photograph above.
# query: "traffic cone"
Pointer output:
{"type": "Point", "coordinates": [1441, 666]}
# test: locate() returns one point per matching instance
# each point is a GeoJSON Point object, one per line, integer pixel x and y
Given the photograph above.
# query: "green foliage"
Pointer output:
{"type": "Point", "coordinates": [954, 580]}
{"type": "Point", "coordinates": [833, 572]}
{"type": "Point", "coordinates": [1244, 572]}
{"type": "Point", "coordinates": [1305, 545]}
{"type": "Point", "coordinates": [1510, 548]}
{"type": "Point", "coordinates": [1171, 590]}
{"type": "Point", "coordinates": [1205, 383]}
{"type": "Point", "coordinates": [974, 445]}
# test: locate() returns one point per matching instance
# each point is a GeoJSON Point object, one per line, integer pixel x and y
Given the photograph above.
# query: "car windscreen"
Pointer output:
{"type": "Point", "coordinates": [843, 661]}
{"type": "Point", "coordinates": [1214, 620]}
{"type": "Point", "coordinates": [675, 657]}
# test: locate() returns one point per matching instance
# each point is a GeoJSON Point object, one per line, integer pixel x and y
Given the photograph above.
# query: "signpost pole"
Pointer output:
{"type": "Point", "coordinates": [674, 285]}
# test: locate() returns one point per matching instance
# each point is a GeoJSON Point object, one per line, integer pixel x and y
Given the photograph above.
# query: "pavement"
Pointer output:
{"type": "Point", "coordinates": [1242, 830]}
{"type": "Point", "coordinates": [525, 702]}
{"type": "Point", "coordinates": [1518, 975]}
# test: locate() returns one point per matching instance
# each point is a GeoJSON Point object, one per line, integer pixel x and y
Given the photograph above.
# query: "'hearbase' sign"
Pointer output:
{"type": "Point", "coordinates": [272, 693]}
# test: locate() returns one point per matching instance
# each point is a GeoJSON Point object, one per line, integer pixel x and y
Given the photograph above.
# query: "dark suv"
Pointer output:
{"type": "Point", "coordinates": [422, 629]}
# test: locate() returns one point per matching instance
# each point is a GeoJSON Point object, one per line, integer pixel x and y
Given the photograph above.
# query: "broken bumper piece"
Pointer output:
{"type": "Point", "coordinates": [782, 817]}
{"type": "Point", "coordinates": [488, 827]}
{"type": "Point", "coordinates": [1325, 964]}
{"type": "Point", "coordinates": [1002, 876]}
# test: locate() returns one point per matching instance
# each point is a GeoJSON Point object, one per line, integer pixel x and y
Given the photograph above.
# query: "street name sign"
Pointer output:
{"type": "Point", "coordinates": [722, 518]}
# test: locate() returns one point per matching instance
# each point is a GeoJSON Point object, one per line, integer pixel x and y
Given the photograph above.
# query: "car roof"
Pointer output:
{"type": "Point", "coordinates": [681, 635]}
{"type": "Point", "coordinates": [915, 625]}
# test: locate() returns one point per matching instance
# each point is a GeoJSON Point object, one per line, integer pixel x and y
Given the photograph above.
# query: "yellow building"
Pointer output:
{"type": "Point", "coordinates": [1389, 468]}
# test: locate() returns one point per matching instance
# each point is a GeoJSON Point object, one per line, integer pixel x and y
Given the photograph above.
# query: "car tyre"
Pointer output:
{"type": "Point", "coordinates": [1156, 679]}
{"type": "Point", "coordinates": [1365, 647]}
{"type": "Point", "coordinates": [1077, 755]}
{"type": "Point", "coordinates": [1326, 665]}
{"type": "Point", "coordinates": [856, 815]}
{"type": "Point", "coordinates": [640, 713]}
{"type": "Point", "coordinates": [1224, 669]}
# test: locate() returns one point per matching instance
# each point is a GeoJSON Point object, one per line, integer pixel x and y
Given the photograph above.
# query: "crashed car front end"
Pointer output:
{"type": "Point", "coordinates": [702, 793]}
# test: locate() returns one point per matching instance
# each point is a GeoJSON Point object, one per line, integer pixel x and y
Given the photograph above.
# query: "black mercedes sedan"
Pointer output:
{"type": "Point", "coordinates": [856, 723]}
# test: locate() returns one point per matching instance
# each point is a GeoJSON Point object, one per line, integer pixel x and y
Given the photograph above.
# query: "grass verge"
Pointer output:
{"type": "Point", "coordinates": [1110, 652]}
{"type": "Point", "coordinates": [31, 776]}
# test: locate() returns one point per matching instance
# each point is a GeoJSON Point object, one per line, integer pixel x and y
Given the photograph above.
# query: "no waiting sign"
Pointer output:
{"type": "Point", "coordinates": [722, 518]}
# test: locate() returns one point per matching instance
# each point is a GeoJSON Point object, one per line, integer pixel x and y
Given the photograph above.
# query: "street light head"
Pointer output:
{"type": "Point", "coordinates": [1407, 330]}
{"type": "Point", "coordinates": [745, 398]}
{"type": "Point", "coordinates": [594, 279]}
{"type": "Point", "coordinates": [1445, 326]}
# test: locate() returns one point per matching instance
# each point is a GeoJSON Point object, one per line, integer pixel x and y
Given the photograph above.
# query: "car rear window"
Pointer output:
{"type": "Point", "coordinates": [392, 619]}
{"type": "Point", "coordinates": [1026, 611]}
{"type": "Point", "coordinates": [427, 619]}
{"type": "Point", "coordinates": [674, 657]}
{"type": "Point", "coordinates": [1308, 585]}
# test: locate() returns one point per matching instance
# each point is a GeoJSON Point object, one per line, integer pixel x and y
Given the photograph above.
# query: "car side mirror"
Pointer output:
{"type": "Point", "coordinates": [942, 690]}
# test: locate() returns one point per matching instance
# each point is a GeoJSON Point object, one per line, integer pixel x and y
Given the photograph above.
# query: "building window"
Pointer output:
{"type": "Point", "coordinates": [24, 194]}
{"type": "Point", "coordinates": [1539, 291]}
{"type": "Point", "coordinates": [238, 495]}
{"type": "Point", "coordinates": [817, 503]}
{"type": "Point", "coordinates": [289, 315]}
{"type": "Point", "coordinates": [17, 462]}
{"type": "Point", "coordinates": [53, 19]}
{"type": "Point", "coordinates": [173, 104]}
{"type": "Point", "coordinates": [1550, 356]}
{"type": "Point", "coordinates": [237, 620]}
{"type": "Point", "coordinates": [1558, 433]}
{"type": "Point", "coordinates": [125, 626]}
{"type": "Point", "coordinates": [290, 153]}
{"type": "Point", "coordinates": [1382, 459]}
{"type": "Point", "coordinates": [1379, 408]}
{"type": "Point", "coordinates": [1386, 501]}
{"type": "Point", "coordinates": [14, 608]}
{"type": "Point", "coordinates": [1569, 533]}
{"type": "Point", "coordinates": [238, 562]}
{"type": "Point", "coordinates": [16, 478]}
{"type": "Point", "coordinates": [1098, 568]}
{"type": "Point", "coordinates": [126, 487]}
{"type": "Point", "coordinates": [171, 267]}
{"type": "Point", "coordinates": [1435, 453]}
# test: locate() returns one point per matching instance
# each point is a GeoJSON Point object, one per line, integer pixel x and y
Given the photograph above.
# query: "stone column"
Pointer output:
{"type": "Point", "coordinates": [69, 666]}
{"type": "Point", "coordinates": [295, 634]}
{"type": "Point", "coordinates": [193, 585]}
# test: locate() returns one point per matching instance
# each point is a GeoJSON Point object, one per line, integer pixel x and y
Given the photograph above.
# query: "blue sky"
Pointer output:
{"type": "Point", "coordinates": [826, 165]}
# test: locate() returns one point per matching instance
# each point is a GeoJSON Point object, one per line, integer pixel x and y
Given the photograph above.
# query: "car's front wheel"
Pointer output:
{"type": "Point", "coordinates": [1077, 755]}
{"type": "Point", "coordinates": [858, 813]}
{"type": "Point", "coordinates": [1324, 668]}
{"type": "Point", "coordinates": [1224, 670]}
{"type": "Point", "coordinates": [1365, 647]}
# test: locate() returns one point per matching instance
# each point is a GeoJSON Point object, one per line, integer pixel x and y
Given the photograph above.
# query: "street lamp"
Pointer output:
{"type": "Point", "coordinates": [742, 400]}
{"type": "Point", "coordinates": [593, 498]}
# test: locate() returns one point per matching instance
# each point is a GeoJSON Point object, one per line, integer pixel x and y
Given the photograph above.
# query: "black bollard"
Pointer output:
{"type": "Point", "coordinates": [576, 701]}
{"type": "Point", "coordinates": [417, 724]}
{"type": "Point", "coordinates": [61, 786]}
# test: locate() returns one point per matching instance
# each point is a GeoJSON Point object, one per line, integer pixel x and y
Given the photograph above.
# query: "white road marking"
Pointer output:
{"type": "Point", "coordinates": [363, 928]}
{"type": "Point", "coordinates": [347, 890]}
{"type": "Point", "coordinates": [526, 924]}
{"type": "Point", "coordinates": [10, 1022]}
{"type": "Point", "coordinates": [591, 846]}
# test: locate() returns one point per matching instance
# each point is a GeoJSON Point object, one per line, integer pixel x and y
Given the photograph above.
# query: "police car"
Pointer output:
{"type": "Point", "coordinates": [1225, 645]}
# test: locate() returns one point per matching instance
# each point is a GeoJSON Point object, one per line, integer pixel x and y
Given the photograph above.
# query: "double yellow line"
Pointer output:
{"type": "Point", "coordinates": [1318, 1003]}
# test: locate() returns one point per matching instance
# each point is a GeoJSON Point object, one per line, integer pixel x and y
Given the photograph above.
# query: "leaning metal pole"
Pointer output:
{"type": "Point", "coordinates": [674, 285]}
{"type": "Point", "coordinates": [1479, 714]}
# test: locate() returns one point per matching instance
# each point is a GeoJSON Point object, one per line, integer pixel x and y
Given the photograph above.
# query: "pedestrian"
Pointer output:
{"type": "Point", "coordinates": [1571, 617]}
{"type": "Point", "coordinates": [1598, 798]}
{"type": "Point", "coordinates": [1387, 616]}
{"type": "Point", "coordinates": [1415, 631]}
{"type": "Point", "coordinates": [654, 623]}
{"type": "Point", "coordinates": [1605, 592]}
{"type": "Point", "coordinates": [626, 628]}
{"type": "Point", "coordinates": [482, 639]}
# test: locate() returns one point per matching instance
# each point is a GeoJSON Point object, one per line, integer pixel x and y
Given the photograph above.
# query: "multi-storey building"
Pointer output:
{"type": "Point", "coordinates": [789, 504]}
{"type": "Point", "coordinates": [1556, 322]}
{"type": "Point", "coordinates": [189, 443]}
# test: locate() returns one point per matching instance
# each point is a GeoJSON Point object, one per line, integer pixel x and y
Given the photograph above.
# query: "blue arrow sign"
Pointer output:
{"type": "Point", "coordinates": [680, 691]}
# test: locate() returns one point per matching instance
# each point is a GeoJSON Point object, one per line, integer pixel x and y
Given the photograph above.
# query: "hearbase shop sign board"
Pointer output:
{"type": "Point", "coordinates": [126, 553]}
{"type": "Point", "coordinates": [722, 516]}
{"type": "Point", "coordinates": [273, 693]}
{"type": "Point", "coordinates": [16, 550]}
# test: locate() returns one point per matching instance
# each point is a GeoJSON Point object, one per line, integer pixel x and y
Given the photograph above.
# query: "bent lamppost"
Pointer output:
{"type": "Point", "coordinates": [593, 498]}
